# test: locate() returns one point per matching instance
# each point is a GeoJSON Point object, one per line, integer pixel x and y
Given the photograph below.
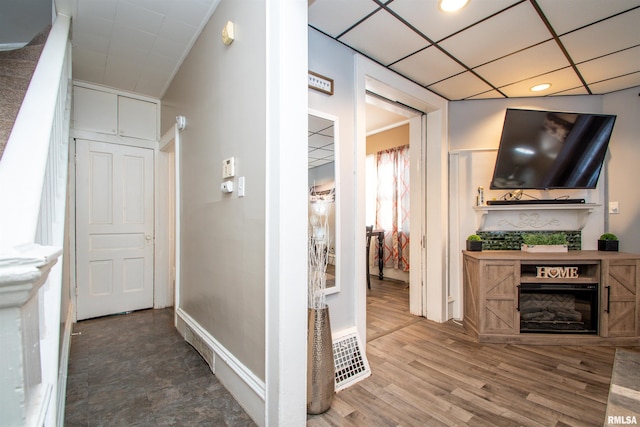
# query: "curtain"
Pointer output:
{"type": "Point", "coordinates": [392, 205]}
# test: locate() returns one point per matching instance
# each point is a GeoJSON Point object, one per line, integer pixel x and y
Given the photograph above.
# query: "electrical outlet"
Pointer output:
{"type": "Point", "coordinates": [614, 208]}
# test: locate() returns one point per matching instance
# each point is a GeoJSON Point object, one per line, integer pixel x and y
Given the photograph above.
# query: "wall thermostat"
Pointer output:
{"type": "Point", "coordinates": [227, 187]}
{"type": "Point", "coordinates": [228, 168]}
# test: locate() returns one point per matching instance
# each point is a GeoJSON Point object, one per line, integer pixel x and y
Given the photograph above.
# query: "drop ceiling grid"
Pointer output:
{"type": "Point", "coordinates": [611, 66]}
{"type": "Point", "coordinates": [428, 66]}
{"type": "Point", "coordinates": [505, 40]}
{"type": "Point", "coordinates": [568, 15]}
{"type": "Point", "coordinates": [611, 35]}
{"type": "Point", "coordinates": [531, 62]}
{"type": "Point", "coordinates": [427, 17]}
{"type": "Point", "coordinates": [508, 32]}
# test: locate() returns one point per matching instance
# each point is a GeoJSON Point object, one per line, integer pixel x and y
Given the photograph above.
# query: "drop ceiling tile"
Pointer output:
{"type": "Point", "coordinates": [129, 14]}
{"type": "Point", "coordinates": [508, 32]}
{"type": "Point", "coordinates": [92, 26]}
{"type": "Point", "coordinates": [125, 39]}
{"type": "Point", "coordinates": [318, 141]}
{"type": "Point", "coordinates": [428, 66]}
{"type": "Point", "coordinates": [322, 14]}
{"type": "Point", "coordinates": [167, 47]}
{"type": "Point", "coordinates": [616, 84]}
{"type": "Point", "coordinates": [159, 6]}
{"type": "Point", "coordinates": [96, 9]}
{"type": "Point", "coordinates": [427, 17]}
{"type": "Point", "coordinates": [560, 80]}
{"type": "Point", "coordinates": [461, 86]}
{"type": "Point", "coordinates": [156, 61]}
{"type": "Point", "coordinates": [93, 42]}
{"type": "Point", "coordinates": [540, 59]}
{"type": "Point", "coordinates": [178, 31]}
{"type": "Point", "coordinates": [395, 42]}
{"type": "Point", "coordinates": [614, 65]}
{"type": "Point", "coordinates": [608, 36]}
{"type": "Point", "coordinates": [563, 16]}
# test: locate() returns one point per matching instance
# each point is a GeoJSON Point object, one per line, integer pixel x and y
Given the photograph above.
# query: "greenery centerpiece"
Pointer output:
{"type": "Point", "coordinates": [608, 242]}
{"type": "Point", "coordinates": [544, 242]}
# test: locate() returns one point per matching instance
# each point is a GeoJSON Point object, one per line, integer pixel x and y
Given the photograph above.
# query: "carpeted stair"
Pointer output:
{"type": "Point", "coordinates": [16, 70]}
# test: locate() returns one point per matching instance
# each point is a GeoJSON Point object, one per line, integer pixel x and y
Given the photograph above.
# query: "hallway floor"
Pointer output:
{"type": "Point", "coordinates": [136, 369]}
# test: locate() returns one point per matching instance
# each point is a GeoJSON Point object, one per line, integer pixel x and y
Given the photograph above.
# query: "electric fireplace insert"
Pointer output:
{"type": "Point", "coordinates": [558, 308]}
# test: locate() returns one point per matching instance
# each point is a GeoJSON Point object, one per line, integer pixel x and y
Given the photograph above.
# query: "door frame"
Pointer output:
{"type": "Point", "coordinates": [166, 285]}
{"type": "Point", "coordinates": [110, 139]}
{"type": "Point", "coordinates": [432, 302]}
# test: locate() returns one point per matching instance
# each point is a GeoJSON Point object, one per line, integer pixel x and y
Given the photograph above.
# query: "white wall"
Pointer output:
{"type": "Point", "coordinates": [243, 260]}
{"type": "Point", "coordinates": [474, 130]}
{"type": "Point", "coordinates": [623, 173]}
{"type": "Point", "coordinates": [335, 61]}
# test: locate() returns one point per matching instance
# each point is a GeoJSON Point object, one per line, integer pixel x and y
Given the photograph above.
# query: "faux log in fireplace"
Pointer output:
{"type": "Point", "coordinates": [581, 297]}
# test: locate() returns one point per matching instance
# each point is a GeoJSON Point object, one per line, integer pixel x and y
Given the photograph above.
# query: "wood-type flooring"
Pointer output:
{"type": "Point", "coordinates": [430, 374]}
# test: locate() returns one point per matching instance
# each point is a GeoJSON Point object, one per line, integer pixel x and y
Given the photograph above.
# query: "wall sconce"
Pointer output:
{"type": "Point", "coordinates": [228, 33]}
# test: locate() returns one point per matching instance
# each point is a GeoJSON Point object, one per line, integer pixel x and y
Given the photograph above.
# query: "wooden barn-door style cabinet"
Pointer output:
{"type": "Point", "coordinates": [581, 297]}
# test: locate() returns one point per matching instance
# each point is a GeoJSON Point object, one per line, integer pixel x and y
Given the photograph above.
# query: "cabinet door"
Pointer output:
{"type": "Point", "coordinates": [95, 111]}
{"type": "Point", "coordinates": [137, 118]}
{"type": "Point", "coordinates": [498, 291]}
{"type": "Point", "coordinates": [619, 299]}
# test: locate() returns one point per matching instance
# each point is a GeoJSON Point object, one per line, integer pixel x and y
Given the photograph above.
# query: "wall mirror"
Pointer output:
{"type": "Point", "coordinates": [323, 181]}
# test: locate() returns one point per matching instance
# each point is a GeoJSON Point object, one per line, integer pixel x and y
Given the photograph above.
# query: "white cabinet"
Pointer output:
{"type": "Point", "coordinates": [137, 118]}
{"type": "Point", "coordinates": [95, 110]}
{"type": "Point", "coordinates": [113, 114]}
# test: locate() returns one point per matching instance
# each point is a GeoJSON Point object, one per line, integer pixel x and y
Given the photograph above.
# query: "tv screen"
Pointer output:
{"type": "Point", "coordinates": [551, 150]}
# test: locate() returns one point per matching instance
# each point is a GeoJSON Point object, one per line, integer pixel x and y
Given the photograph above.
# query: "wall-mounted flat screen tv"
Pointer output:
{"type": "Point", "coordinates": [551, 150]}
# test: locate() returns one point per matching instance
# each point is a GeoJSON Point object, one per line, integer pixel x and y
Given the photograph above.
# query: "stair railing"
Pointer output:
{"type": "Point", "coordinates": [33, 193]}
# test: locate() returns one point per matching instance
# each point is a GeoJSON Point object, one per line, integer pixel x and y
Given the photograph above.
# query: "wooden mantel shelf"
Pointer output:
{"type": "Point", "coordinates": [525, 217]}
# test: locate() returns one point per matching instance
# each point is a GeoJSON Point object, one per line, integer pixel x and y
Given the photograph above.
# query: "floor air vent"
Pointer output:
{"type": "Point", "coordinates": [351, 365]}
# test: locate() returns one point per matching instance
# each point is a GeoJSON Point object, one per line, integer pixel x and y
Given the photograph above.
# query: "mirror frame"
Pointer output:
{"type": "Point", "coordinates": [337, 234]}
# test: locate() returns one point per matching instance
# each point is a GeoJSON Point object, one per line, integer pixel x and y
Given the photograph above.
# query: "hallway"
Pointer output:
{"type": "Point", "coordinates": [136, 369]}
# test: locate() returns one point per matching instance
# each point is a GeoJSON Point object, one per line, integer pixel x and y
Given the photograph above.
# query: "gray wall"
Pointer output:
{"type": "Point", "coordinates": [221, 91]}
{"type": "Point", "coordinates": [623, 173]}
{"type": "Point", "coordinates": [335, 61]}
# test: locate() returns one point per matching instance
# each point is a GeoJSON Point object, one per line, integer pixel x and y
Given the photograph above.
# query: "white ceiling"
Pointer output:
{"type": "Point", "coordinates": [489, 49]}
{"type": "Point", "coordinates": [135, 45]}
{"type": "Point", "coordinates": [494, 48]}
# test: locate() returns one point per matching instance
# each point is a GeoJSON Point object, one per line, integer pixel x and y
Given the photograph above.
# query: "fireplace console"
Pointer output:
{"type": "Point", "coordinates": [576, 297]}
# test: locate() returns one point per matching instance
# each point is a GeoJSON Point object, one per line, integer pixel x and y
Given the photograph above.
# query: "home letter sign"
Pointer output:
{"type": "Point", "coordinates": [556, 272]}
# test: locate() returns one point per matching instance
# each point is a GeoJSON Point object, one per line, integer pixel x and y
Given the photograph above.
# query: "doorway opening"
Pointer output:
{"type": "Point", "coordinates": [392, 186]}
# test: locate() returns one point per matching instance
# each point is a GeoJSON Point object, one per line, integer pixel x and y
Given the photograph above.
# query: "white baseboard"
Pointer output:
{"type": "Point", "coordinates": [243, 385]}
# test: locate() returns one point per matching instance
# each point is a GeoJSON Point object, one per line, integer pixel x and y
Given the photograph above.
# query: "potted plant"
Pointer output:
{"type": "Point", "coordinates": [608, 242]}
{"type": "Point", "coordinates": [474, 243]}
{"type": "Point", "coordinates": [544, 242]}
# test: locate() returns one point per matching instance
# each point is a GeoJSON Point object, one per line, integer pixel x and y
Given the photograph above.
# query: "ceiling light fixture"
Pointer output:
{"type": "Point", "coordinates": [452, 5]}
{"type": "Point", "coordinates": [540, 87]}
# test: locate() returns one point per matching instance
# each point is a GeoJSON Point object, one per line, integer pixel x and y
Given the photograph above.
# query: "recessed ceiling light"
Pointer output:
{"type": "Point", "coordinates": [540, 87]}
{"type": "Point", "coordinates": [452, 5]}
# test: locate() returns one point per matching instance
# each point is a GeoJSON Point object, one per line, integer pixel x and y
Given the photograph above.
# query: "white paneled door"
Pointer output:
{"type": "Point", "coordinates": [114, 228]}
